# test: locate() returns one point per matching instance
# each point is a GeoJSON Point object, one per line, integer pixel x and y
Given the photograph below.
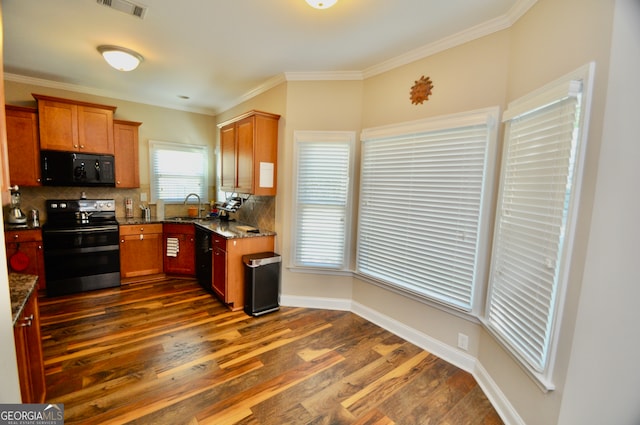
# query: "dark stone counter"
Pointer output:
{"type": "Point", "coordinates": [21, 286]}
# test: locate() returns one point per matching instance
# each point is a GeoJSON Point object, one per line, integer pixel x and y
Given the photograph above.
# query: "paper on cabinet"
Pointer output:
{"type": "Point", "coordinates": [266, 174]}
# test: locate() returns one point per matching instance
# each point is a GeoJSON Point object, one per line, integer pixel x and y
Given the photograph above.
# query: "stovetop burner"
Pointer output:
{"type": "Point", "coordinates": [80, 212]}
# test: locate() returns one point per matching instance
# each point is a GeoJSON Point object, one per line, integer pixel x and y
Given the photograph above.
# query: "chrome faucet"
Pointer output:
{"type": "Point", "coordinates": [199, 202]}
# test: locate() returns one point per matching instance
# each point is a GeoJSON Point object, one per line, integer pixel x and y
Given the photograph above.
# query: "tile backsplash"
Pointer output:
{"type": "Point", "coordinates": [257, 211]}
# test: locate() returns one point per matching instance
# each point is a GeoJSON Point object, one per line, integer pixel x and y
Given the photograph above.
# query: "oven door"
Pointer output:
{"type": "Point", "coordinates": [81, 259]}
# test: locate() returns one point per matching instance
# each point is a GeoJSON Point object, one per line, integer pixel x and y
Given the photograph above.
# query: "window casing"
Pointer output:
{"type": "Point", "coordinates": [545, 138]}
{"type": "Point", "coordinates": [177, 170]}
{"type": "Point", "coordinates": [322, 199]}
{"type": "Point", "coordinates": [425, 195]}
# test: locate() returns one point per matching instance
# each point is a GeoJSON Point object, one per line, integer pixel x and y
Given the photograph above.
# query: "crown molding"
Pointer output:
{"type": "Point", "coordinates": [324, 76]}
{"type": "Point", "coordinates": [500, 23]}
{"type": "Point", "coordinates": [486, 28]}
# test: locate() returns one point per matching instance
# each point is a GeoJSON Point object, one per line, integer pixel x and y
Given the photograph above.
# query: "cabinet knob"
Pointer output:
{"type": "Point", "coordinates": [75, 146]}
{"type": "Point", "coordinates": [81, 146]}
{"type": "Point", "coordinates": [16, 236]}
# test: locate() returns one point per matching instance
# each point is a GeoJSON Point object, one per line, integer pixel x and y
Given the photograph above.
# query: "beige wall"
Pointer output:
{"type": "Point", "coordinates": [550, 40]}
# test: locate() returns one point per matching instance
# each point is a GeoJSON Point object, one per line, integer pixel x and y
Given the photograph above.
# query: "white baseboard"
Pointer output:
{"type": "Point", "coordinates": [446, 352]}
{"type": "Point", "coordinates": [316, 302]}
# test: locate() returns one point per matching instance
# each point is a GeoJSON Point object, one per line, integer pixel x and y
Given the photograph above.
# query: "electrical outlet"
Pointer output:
{"type": "Point", "coordinates": [463, 341]}
{"type": "Point", "coordinates": [143, 196]}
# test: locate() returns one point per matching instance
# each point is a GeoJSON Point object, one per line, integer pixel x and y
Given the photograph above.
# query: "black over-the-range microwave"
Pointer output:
{"type": "Point", "coordinates": [77, 169]}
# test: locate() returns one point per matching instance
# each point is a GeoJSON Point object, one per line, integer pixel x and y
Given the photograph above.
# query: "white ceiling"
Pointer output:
{"type": "Point", "coordinates": [219, 52]}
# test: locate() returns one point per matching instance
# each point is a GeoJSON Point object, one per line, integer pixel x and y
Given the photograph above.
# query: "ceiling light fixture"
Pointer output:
{"type": "Point", "coordinates": [321, 4]}
{"type": "Point", "coordinates": [120, 58]}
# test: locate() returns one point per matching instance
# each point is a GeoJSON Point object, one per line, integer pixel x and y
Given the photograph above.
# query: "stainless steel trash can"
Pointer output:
{"type": "Point", "coordinates": [262, 282]}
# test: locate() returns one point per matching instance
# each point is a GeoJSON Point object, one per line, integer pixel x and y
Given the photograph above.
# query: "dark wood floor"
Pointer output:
{"type": "Point", "coordinates": [169, 353]}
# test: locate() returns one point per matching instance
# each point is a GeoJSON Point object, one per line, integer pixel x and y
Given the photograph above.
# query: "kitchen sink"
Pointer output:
{"type": "Point", "coordinates": [188, 218]}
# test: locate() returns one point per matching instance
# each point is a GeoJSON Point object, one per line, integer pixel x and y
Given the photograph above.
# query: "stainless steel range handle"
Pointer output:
{"type": "Point", "coordinates": [83, 230]}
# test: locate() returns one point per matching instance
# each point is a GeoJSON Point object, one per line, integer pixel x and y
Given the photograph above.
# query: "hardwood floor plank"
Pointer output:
{"type": "Point", "coordinates": [167, 352]}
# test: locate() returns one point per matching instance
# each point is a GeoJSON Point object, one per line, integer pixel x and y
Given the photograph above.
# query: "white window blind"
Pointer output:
{"type": "Point", "coordinates": [422, 217]}
{"type": "Point", "coordinates": [532, 235]}
{"type": "Point", "coordinates": [322, 194]}
{"type": "Point", "coordinates": [177, 170]}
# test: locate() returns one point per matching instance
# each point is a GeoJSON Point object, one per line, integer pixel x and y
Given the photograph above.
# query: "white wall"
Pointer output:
{"type": "Point", "coordinates": [10, 387]}
{"type": "Point", "coordinates": [603, 382]}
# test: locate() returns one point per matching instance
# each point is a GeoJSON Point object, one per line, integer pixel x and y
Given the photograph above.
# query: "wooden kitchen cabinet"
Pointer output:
{"type": "Point", "coordinates": [183, 260]}
{"type": "Point", "coordinates": [249, 151]}
{"type": "Point", "coordinates": [26, 333]}
{"type": "Point", "coordinates": [140, 250]}
{"type": "Point", "coordinates": [28, 242]}
{"type": "Point", "coordinates": [73, 126]}
{"type": "Point", "coordinates": [125, 135]}
{"type": "Point", "coordinates": [228, 269]}
{"type": "Point", "coordinates": [23, 146]}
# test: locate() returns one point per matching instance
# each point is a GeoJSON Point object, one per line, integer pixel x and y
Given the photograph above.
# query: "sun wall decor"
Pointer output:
{"type": "Point", "coordinates": [421, 90]}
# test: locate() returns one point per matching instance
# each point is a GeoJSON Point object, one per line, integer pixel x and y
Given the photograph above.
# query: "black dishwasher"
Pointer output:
{"type": "Point", "coordinates": [204, 258]}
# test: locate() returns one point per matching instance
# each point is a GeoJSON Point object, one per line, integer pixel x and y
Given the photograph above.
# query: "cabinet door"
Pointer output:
{"type": "Point", "coordinates": [28, 242]}
{"type": "Point", "coordinates": [244, 155]}
{"type": "Point", "coordinates": [95, 130]}
{"type": "Point", "coordinates": [184, 261]}
{"type": "Point", "coordinates": [23, 146]}
{"type": "Point", "coordinates": [29, 353]}
{"type": "Point", "coordinates": [58, 122]}
{"type": "Point", "coordinates": [33, 251]}
{"type": "Point", "coordinates": [140, 254]}
{"type": "Point", "coordinates": [125, 136]}
{"type": "Point", "coordinates": [228, 158]}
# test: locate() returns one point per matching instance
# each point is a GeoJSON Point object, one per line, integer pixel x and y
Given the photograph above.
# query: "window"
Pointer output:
{"type": "Point", "coordinates": [424, 204]}
{"type": "Point", "coordinates": [544, 144]}
{"type": "Point", "coordinates": [322, 198]}
{"type": "Point", "coordinates": [177, 170]}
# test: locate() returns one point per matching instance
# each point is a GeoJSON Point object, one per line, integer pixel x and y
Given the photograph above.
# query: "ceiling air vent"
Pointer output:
{"type": "Point", "coordinates": [125, 6]}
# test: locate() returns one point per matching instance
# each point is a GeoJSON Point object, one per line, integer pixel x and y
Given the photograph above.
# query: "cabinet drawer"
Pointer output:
{"type": "Point", "coordinates": [219, 242]}
{"type": "Point", "coordinates": [183, 229]}
{"type": "Point", "coordinates": [23, 236]}
{"type": "Point", "coordinates": [136, 229]}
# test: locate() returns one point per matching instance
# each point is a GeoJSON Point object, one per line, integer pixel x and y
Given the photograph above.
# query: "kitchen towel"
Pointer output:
{"type": "Point", "coordinates": [173, 247]}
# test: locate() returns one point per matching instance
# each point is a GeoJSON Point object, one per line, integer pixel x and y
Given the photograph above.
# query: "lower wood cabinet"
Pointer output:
{"type": "Point", "coordinates": [25, 254]}
{"type": "Point", "coordinates": [179, 249]}
{"type": "Point", "coordinates": [28, 342]}
{"type": "Point", "coordinates": [228, 269]}
{"type": "Point", "coordinates": [140, 250]}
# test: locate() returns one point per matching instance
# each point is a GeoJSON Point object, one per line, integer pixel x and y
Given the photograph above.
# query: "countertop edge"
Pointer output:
{"type": "Point", "coordinates": [21, 287]}
{"type": "Point", "coordinates": [226, 229]}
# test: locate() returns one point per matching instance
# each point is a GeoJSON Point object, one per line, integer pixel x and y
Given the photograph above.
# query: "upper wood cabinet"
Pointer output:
{"type": "Point", "coordinates": [23, 146]}
{"type": "Point", "coordinates": [249, 153]}
{"type": "Point", "coordinates": [68, 125]}
{"type": "Point", "coordinates": [125, 134]}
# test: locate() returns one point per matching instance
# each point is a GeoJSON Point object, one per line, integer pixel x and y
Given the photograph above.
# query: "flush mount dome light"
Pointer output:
{"type": "Point", "coordinates": [321, 4]}
{"type": "Point", "coordinates": [120, 58]}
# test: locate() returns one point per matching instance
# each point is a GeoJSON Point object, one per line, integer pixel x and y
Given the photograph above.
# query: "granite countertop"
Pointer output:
{"type": "Point", "coordinates": [226, 229]}
{"type": "Point", "coordinates": [21, 286]}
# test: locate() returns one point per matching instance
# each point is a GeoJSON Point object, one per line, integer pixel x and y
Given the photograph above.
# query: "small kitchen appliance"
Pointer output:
{"type": "Point", "coordinates": [16, 216]}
